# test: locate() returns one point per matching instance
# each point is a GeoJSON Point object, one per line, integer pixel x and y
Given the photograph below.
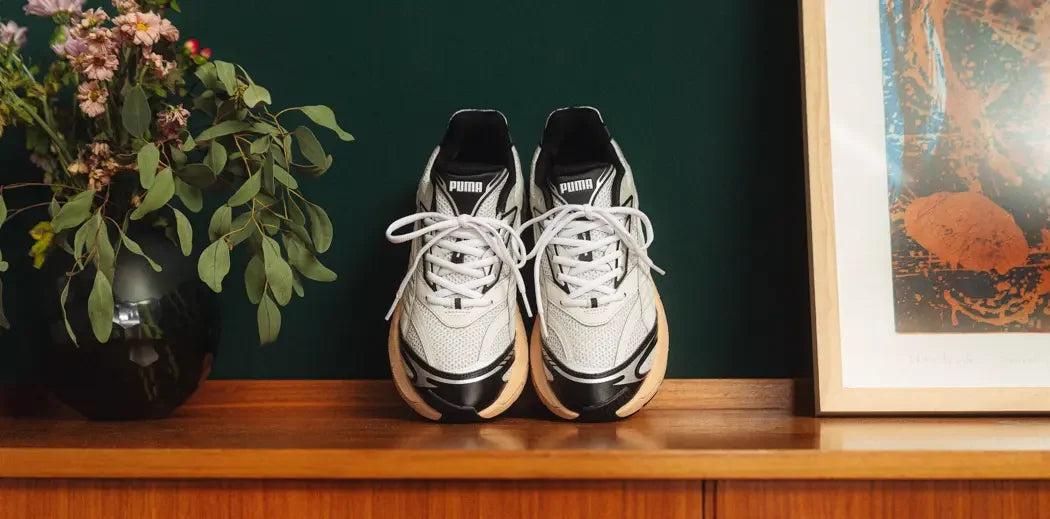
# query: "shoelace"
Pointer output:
{"type": "Point", "coordinates": [466, 235]}
{"type": "Point", "coordinates": [563, 226]}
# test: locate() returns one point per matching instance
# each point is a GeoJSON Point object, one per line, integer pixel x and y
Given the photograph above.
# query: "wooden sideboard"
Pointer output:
{"type": "Point", "coordinates": [703, 448]}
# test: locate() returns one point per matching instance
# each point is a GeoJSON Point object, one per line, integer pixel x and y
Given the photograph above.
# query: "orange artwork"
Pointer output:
{"type": "Point", "coordinates": [967, 103]}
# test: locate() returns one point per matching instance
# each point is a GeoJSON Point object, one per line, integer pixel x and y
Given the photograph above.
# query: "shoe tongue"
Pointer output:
{"type": "Point", "coordinates": [579, 183]}
{"type": "Point", "coordinates": [464, 184]}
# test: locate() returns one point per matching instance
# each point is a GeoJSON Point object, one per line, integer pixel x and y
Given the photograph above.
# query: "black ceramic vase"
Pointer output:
{"type": "Point", "coordinates": [165, 331]}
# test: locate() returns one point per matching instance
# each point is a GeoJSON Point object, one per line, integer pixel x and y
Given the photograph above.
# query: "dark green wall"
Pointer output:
{"type": "Point", "coordinates": [702, 96]}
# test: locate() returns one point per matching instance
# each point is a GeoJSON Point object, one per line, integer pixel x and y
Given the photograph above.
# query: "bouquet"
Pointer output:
{"type": "Point", "coordinates": [126, 120]}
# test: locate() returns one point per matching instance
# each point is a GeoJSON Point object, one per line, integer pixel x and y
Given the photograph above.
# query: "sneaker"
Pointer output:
{"type": "Point", "coordinates": [457, 343]}
{"type": "Point", "coordinates": [599, 348]}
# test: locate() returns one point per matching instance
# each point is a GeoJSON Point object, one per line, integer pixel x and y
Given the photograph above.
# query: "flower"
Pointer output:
{"type": "Point", "coordinates": [93, 17]}
{"type": "Point", "coordinates": [100, 149]}
{"type": "Point", "coordinates": [99, 40]}
{"type": "Point", "coordinates": [92, 98]}
{"type": "Point", "coordinates": [141, 28]}
{"type": "Point", "coordinates": [77, 167]}
{"type": "Point", "coordinates": [126, 6]}
{"type": "Point", "coordinates": [49, 8]}
{"type": "Point", "coordinates": [168, 30]}
{"type": "Point", "coordinates": [161, 68]}
{"type": "Point", "coordinates": [99, 66]}
{"type": "Point", "coordinates": [42, 233]}
{"type": "Point", "coordinates": [73, 50]}
{"type": "Point", "coordinates": [172, 121]}
{"type": "Point", "coordinates": [12, 33]}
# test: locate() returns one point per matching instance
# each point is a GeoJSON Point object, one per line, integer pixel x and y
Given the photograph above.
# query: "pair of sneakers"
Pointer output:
{"type": "Point", "coordinates": [458, 346]}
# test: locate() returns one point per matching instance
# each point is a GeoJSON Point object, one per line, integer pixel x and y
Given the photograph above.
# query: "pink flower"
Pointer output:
{"type": "Point", "coordinates": [100, 149]}
{"type": "Point", "coordinates": [99, 66]}
{"type": "Point", "coordinates": [100, 40]}
{"type": "Point", "coordinates": [173, 121]}
{"type": "Point", "coordinates": [49, 8]}
{"type": "Point", "coordinates": [161, 68]}
{"type": "Point", "coordinates": [168, 30]}
{"type": "Point", "coordinates": [92, 97]}
{"type": "Point", "coordinates": [93, 17]}
{"type": "Point", "coordinates": [141, 28]}
{"type": "Point", "coordinates": [125, 6]}
{"type": "Point", "coordinates": [12, 33]}
{"type": "Point", "coordinates": [73, 50]}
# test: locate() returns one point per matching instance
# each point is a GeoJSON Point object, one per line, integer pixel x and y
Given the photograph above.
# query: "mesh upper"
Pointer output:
{"type": "Point", "coordinates": [456, 349]}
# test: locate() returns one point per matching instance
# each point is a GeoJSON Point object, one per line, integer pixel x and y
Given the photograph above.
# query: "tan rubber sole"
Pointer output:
{"type": "Point", "coordinates": [511, 391]}
{"type": "Point", "coordinates": [645, 393]}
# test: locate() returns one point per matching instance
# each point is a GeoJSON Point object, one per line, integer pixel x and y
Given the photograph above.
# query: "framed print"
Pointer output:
{"type": "Point", "coordinates": [928, 163]}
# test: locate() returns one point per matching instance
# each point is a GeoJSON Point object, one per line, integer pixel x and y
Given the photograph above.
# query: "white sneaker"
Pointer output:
{"type": "Point", "coordinates": [599, 347]}
{"type": "Point", "coordinates": [457, 343]}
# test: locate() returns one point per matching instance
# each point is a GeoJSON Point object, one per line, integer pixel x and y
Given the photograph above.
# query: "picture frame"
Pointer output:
{"type": "Point", "coordinates": [879, 345]}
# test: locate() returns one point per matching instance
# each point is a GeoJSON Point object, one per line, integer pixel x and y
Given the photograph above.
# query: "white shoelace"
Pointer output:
{"type": "Point", "coordinates": [470, 236]}
{"type": "Point", "coordinates": [563, 226]}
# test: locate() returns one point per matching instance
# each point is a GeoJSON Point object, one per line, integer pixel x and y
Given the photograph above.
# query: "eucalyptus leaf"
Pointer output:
{"type": "Point", "coordinates": [269, 320]}
{"type": "Point", "coordinates": [260, 145]}
{"type": "Point", "coordinates": [100, 307]}
{"type": "Point", "coordinates": [297, 285]}
{"type": "Point", "coordinates": [324, 116]}
{"type": "Point", "coordinates": [262, 128]}
{"type": "Point", "coordinates": [216, 158]}
{"type": "Point", "coordinates": [214, 264]}
{"type": "Point", "coordinates": [136, 114]}
{"type": "Point", "coordinates": [4, 323]}
{"type": "Point", "coordinates": [208, 75]}
{"type": "Point", "coordinates": [162, 191]}
{"type": "Point", "coordinates": [73, 212]}
{"type": "Point", "coordinates": [178, 157]}
{"type": "Point", "coordinates": [278, 273]}
{"type": "Point", "coordinates": [255, 279]}
{"type": "Point", "coordinates": [282, 176]}
{"type": "Point", "coordinates": [320, 227]}
{"type": "Point", "coordinates": [256, 94]}
{"type": "Point", "coordinates": [222, 129]}
{"type": "Point", "coordinates": [185, 231]}
{"type": "Point", "coordinates": [219, 225]}
{"type": "Point", "coordinates": [246, 192]}
{"type": "Point", "coordinates": [188, 143]}
{"type": "Point", "coordinates": [267, 172]}
{"type": "Point", "coordinates": [86, 236]}
{"type": "Point", "coordinates": [227, 75]}
{"type": "Point", "coordinates": [65, 316]}
{"type": "Point", "coordinates": [295, 213]}
{"type": "Point", "coordinates": [53, 208]}
{"type": "Point", "coordinates": [148, 159]}
{"type": "Point", "coordinates": [191, 196]}
{"type": "Point", "coordinates": [197, 175]}
{"type": "Point", "coordinates": [3, 210]}
{"type": "Point", "coordinates": [242, 228]}
{"type": "Point", "coordinates": [307, 263]}
{"type": "Point", "coordinates": [133, 247]}
{"type": "Point", "coordinates": [105, 257]}
{"type": "Point", "coordinates": [310, 147]}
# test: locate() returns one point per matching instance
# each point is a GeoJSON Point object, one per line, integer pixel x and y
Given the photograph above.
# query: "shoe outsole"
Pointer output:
{"type": "Point", "coordinates": [516, 378]}
{"type": "Point", "coordinates": [645, 393]}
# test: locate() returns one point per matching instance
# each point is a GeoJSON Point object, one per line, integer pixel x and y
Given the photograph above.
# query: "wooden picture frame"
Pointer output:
{"type": "Point", "coordinates": [834, 396]}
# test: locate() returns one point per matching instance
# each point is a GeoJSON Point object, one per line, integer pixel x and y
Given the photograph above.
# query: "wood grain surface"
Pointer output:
{"type": "Point", "coordinates": [113, 499]}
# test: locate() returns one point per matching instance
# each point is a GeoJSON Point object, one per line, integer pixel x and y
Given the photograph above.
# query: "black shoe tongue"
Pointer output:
{"type": "Point", "coordinates": [465, 183]}
{"type": "Point", "coordinates": [577, 183]}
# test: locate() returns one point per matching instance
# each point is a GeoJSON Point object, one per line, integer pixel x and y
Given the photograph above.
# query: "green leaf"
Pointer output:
{"type": "Point", "coordinates": [105, 259]}
{"type": "Point", "coordinates": [267, 172]}
{"type": "Point", "coordinates": [135, 248]}
{"type": "Point", "coordinates": [188, 143]}
{"type": "Point", "coordinates": [100, 307]}
{"type": "Point", "coordinates": [256, 94]}
{"type": "Point", "coordinates": [269, 319]}
{"type": "Point", "coordinates": [136, 113]}
{"type": "Point", "coordinates": [297, 285]}
{"type": "Point", "coordinates": [220, 222]}
{"type": "Point", "coordinates": [216, 158]}
{"type": "Point", "coordinates": [4, 323]}
{"type": "Point", "coordinates": [86, 236]}
{"type": "Point", "coordinates": [263, 128]}
{"type": "Point", "coordinates": [148, 160]}
{"type": "Point", "coordinates": [246, 192]}
{"type": "Point", "coordinates": [208, 75]}
{"type": "Point", "coordinates": [197, 175]}
{"type": "Point", "coordinates": [255, 279]}
{"type": "Point", "coordinates": [305, 262]}
{"type": "Point", "coordinates": [278, 273]}
{"type": "Point", "coordinates": [310, 147]}
{"type": "Point", "coordinates": [295, 213]}
{"type": "Point", "coordinates": [53, 208]}
{"type": "Point", "coordinates": [3, 210]}
{"type": "Point", "coordinates": [214, 264]}
{"type": "Point", "coordinates": [178, 157]}
{"type": "Point", "coordinates": [241, 228]}
{"type": "Point", "coordinates": [65, 316]}
{"type": "Point", "coordinates": [320, 227]}
{"type": "Point", "coordinates": [185, 230]}
{"type": "Point", "coordinates": [191, 196]}
{"type": "Point", "coordinates": [324, 116]}
{"type": "Point", "coordinates": [227, 76]}
{"type": "Point", "coordinates": [162, 191]}
{"type": "Point", "coordinates": [282, 176]}
{"type": "Point", "coordinates": [260, 145]}
{"type": "Point", "coordinates": [223, 129]}
{"type": "Point", "coordinates": [73, 212]}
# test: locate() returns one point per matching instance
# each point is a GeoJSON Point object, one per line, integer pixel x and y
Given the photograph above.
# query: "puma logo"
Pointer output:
{"type": "Point", "coordinates": [576, 185]}
{"type": "Point", "coordinates": [464, 186]}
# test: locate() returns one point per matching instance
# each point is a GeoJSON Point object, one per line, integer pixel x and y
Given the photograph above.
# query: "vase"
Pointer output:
{"type": "Point", "coordinates": [166, 328]}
